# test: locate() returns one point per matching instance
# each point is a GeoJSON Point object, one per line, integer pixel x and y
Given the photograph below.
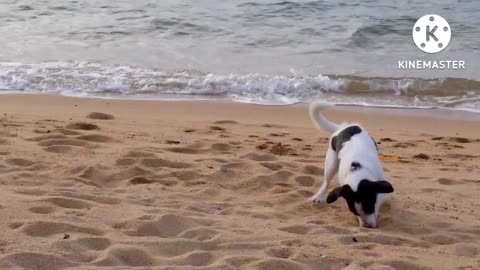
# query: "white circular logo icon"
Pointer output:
{"type": "Point", "coordinates": [431, 33]}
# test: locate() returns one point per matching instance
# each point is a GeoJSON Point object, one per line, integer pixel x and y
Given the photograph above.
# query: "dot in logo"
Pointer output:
{"type": "Point", "coordinates": [431, 33]}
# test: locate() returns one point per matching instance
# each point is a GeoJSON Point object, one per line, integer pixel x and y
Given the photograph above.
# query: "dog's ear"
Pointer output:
{"type": "Point", "coordinates": [382, 187]}
{"type": "Point", "coordinates": [337, 193]}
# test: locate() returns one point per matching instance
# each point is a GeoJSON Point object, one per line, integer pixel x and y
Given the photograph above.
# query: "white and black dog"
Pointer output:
{"type": "Point", "coordinates": [354, 155]}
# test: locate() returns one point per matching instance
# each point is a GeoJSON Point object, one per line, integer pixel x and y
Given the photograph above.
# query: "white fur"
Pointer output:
{"type": "Point", "coordinates": [360, 148]}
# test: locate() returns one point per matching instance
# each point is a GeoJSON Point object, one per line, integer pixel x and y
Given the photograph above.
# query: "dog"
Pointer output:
{"type": "Point", "coordinates": [353, 154]}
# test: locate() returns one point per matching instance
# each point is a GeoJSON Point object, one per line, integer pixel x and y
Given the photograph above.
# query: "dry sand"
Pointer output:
{"type": "Point", "coordinates": [203, 185]}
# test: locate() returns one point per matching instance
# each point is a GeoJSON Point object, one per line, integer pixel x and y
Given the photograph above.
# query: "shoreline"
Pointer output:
{"type": "Point", "coordinates": [437, 113]}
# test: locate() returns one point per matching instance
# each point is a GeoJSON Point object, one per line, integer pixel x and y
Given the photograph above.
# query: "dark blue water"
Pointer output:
{"type": "Point", "coordinates": [254, 51]}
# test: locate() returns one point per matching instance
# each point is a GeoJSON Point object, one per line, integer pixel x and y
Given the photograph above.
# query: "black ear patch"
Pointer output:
{"type": "Point", "coordinates": [383, 187]}
{"type": "Point", "coordinates": [335, 194]}
{"type": "Point", "coordinates": [367, 186]}
{"type": "Point", "coordinates": [366, 195]}
{"type": "Point", "coordinates": [343, 191]}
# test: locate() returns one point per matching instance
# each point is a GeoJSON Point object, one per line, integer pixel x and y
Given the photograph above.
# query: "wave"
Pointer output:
{"type": "Point", "coordinates": [96, 80]}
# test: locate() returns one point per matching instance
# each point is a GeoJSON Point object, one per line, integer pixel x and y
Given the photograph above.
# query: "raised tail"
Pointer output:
{"type": "Point", "coordinates": [318, 119]}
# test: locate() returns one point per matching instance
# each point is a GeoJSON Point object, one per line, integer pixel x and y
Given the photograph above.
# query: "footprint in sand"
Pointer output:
{"type": "Point", "coordinates": [422, 156]}
{"type": "Point", "coordinates": [440, 239]}
{"type": "Point", "coordinates": [383, 239]}
{"type": "Point", "coordinates": [61, 144]}
{"type": "Point", "coordinates": [84, 249]}
{"type": "Point", "coordinates": [100, 116]}
{"type": "Point", "coordinates": [305, 181]}
{"type": "Point", "coordinates": [296, 229]}
{"type": "Point", "coordinates": [215, 148]}
{"type": "Point", "coordinates": [217, 128]}
{"type": "Point", "coordinates": [259, 157]}
{"type": "Point", "coordinates": [225, 122]}
{"type": "Point", "coordinates": [82, 126]}
{"type": "Point", "coordinates": [467, 250]}
{"type": "Point", "coordinates": [312, 170]}
{"type": "Point", "coordinates": [272, 165]}
{"type": "Point", "coordinates": [90, 243]}
{"type": "Point", "coordinates": [168, 225]}
{"type": "Point", "coordinates": [140, 180]}
{"type": "Point", "coordinates": [126, 256]}
{"type": "Point", "coordinates": [460, 140]}
{"type": "Point", "coordinates": [47, 137]}
{"type": "Point", "coordinates": [262, 182]}
{"type": "Point", "coordinates": [234, 166]}
{"type": "Point", "coordinates": [19, 162]}
{"type": "Point", "coordinates": [41, 209]}
{"type": "Point", "coordinates": [140, 154]}
{"type": "Point", "coordinates": [66, 132]}
{"type": "Point", "coordinates": [432, 190]}
{"type": "Point", "coordinates": [126, 161]}
{"type": "Point", "coordinates": [195, 259]}
{"type": "Point", "coordinates": [272, 126]}
{"type": "Point", "coordinates": [96, 138]}
{"type": "Point", "coordinates": [158, 163]}
{"type": "Point", "coordinates": [69, 203]}
{"type": "Point", "coordinates": [279, 252]}
{"type": "Point", "coordinates": [237, 261]}
{"type": "Point", "coordinates": [280, 134]}
{"type": "Point", "coordinates": [199, 234]}
{"type": "Point", "coordinates": [276, 263]}
{"type": "Point", "coordinates": [447, 181]}
{"type": "Point", "coordinates": [96, 197]}
{"type": "Point", "coordinates": [47, 228]}
{"type": "Point", "coordinates": [108, 177]}
{"type": "Point", "coordinates": [34, 260]}
{"type": "Point", "coordinates": [404, 145]}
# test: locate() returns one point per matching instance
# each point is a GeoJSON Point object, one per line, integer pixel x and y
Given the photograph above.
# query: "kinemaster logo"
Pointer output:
{"type": "Point", "coordinates": [432, 34]}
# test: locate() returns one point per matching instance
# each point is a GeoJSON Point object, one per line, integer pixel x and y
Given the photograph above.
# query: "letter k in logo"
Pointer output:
{"type": "Point", "coordinates": [431, 33]}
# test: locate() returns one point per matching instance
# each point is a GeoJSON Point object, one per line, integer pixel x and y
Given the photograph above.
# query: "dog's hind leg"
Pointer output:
{"type": "Point", "coordinates": [331, 169]}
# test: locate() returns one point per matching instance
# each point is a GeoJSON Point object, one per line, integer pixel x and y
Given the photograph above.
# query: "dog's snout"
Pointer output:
{"type": "Point", "coordinates": [368, 221]}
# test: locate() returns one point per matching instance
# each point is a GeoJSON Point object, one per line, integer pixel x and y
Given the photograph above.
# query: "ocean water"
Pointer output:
{"type": "Point", "coordinates": [267, 52]}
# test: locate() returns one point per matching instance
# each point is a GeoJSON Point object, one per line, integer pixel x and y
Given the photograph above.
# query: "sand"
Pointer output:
{"type": "Point", "coordinates": [103, 184]}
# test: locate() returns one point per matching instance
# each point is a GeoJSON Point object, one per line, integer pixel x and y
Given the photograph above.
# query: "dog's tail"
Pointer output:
{"type": "Point", "coordinates": [318, 119]}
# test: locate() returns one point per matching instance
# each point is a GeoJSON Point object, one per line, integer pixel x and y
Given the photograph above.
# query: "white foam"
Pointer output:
{"type": "Point", "coordinates": [86, 79]}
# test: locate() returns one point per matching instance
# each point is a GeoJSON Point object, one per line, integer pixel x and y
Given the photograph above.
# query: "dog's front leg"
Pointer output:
{"type": "Point", "coordinates": [331, 168]}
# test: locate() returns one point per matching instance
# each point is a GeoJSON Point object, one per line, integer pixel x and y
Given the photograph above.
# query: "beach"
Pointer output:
{"type": "Point", "coordinates": [130, 184]}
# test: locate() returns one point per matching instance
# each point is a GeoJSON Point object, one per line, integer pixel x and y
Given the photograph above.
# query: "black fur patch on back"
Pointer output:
{"type": "Point", "coordinates": [344, 136]}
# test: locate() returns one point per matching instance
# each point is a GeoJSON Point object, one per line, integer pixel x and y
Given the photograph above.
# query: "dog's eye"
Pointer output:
{"type": "Point", "coordinates": [355, 166]}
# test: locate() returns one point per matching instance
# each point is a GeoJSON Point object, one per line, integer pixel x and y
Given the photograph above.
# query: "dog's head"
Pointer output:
{"type": "Point", "coordinates": [365, 202]}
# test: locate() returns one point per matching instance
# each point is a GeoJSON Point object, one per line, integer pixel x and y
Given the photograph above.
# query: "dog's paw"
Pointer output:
{"type": "Point", "coordinates": [317, 198]}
